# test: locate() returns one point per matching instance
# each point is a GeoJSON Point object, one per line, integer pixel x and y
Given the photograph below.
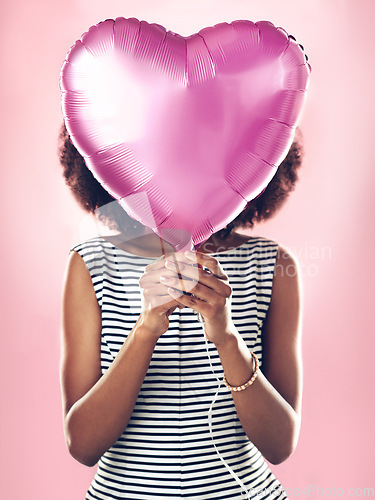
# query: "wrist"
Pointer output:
{"type": "Point", "coordinates": [236, 359]}
{"type": "Point", "coordinates": [227, 341]}
{"type": "Point", "coordinates": [145, 334]}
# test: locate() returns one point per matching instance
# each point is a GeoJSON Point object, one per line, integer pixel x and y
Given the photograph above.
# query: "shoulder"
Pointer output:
{"type": "Point", "coordinates": [94, 252]}
{"type": "Point", "coordinates": [91, 246]}
{"type": "Point", "coordinates": [286, 288]}
{"type": "Point", "coordinates": [286, 264]}
{"type": "Point", "coordinates": [79, 266]}
{"type": "Point", "coordinates": [78, 286]}
{"type": "Point", "coordinates": [85, 274]}
{"type": "Point", "coordinates": [87, 265]}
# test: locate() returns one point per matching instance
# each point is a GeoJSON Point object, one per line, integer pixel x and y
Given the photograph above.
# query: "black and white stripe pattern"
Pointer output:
{"type": "Point", "coordinates": [166, 450]}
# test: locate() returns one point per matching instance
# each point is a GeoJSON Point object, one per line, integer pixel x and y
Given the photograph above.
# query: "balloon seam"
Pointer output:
{"type": "Point", "coordinates": [186, 80]}
{"type": "Point", "coordinates": [281, 122]}
{"type": "Point", "coordinates": [209, 53]}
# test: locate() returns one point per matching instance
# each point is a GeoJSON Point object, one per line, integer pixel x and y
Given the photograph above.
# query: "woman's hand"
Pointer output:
{"type": "Point", "coordinates": [157, 303]}
{"type": "Point", "coordinates": [205, 291]}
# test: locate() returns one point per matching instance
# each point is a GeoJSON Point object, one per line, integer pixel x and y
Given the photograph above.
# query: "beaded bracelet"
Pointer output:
{"type": "Point", "coordinates": [249, 382]}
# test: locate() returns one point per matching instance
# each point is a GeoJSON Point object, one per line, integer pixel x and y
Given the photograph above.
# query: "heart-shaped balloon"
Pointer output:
{"type": "Point", "coordinates": [183, 131]}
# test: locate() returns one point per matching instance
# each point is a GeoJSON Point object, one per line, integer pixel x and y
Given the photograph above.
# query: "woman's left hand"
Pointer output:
{"type": "Point", "coordinates": [206, 292]}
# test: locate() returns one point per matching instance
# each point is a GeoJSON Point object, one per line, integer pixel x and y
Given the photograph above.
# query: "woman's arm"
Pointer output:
{"type": "Point", "coordinates": [269, 410]}
{"type": "Point", "coordinates": [97, 407]}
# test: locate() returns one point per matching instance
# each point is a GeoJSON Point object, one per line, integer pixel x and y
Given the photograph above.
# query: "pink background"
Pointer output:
{"type": "Point", "coordinates": [328, 223]}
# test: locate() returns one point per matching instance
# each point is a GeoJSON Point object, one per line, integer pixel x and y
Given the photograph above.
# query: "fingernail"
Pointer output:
{"type": "Point", "coordinates": [189, 254]}
{"type": "Point", "coordinates": [165, 279]}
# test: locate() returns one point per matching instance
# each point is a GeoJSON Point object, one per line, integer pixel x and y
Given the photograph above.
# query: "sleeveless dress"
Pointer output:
{"type": "Point", "coordinates": [184, 439]}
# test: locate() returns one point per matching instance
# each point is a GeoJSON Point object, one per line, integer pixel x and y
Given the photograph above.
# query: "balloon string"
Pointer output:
{"type": "Point", "coordinates": [246, 493]}
{"type": "Point", "coordinates": [176, 263]}
{"type": "Point", "coordinates": [209, 414]}
{"type": "Point", "coordinates": [162, 245]}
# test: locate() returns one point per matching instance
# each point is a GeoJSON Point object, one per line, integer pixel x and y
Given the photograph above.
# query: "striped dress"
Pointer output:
{"type": "Point", "coordinates": [184, 439]}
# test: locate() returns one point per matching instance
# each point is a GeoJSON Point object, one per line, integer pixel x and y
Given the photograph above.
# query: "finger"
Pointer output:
{"type": "Point", "coordinates": [149, 279]}
{"type": "Point", "coordinates": [195, 275]}
{"type": "Point", "coordinates": [182, 269]}
{"type": "Point", "coordinates": [191, 301]}
{"type": "Point", "coordinates": [154, 266]}
{"type": "Point", "coordinates": [152, 273]}
{"type": "Point", "coordinates": [160, 261]}
{"type": "Point", "coordinates": [207, 261]}
{"type": "Point", "coordinates": [177, 281]}
{"type": "Point", "coordinates": [157, 296]}
{"type": "Point", "coordinates": [169, 278]}
{"type": "Point", "coordinates": [204, 294]}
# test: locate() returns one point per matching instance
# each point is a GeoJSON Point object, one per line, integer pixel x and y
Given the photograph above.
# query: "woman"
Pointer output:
{"type": "Point", "coordinates": [170, 406]}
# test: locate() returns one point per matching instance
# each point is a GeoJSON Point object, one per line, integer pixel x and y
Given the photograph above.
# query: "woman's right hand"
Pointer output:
{"type": "Point", "coordinates": [156, 301]}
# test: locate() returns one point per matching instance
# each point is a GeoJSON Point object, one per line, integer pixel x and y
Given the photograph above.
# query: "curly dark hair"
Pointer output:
{"type": "Point", "coordinates": [93, 197]}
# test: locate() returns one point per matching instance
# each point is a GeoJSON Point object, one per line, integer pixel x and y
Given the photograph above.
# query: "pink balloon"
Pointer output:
{"type": "Point", "coordinates": [183, 131]}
